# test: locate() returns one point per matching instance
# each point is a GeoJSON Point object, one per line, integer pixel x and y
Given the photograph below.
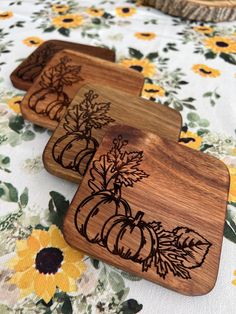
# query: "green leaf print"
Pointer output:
{"type": "Point", "coordinates": [8, 192]}
{"type": "Point", "coordinates": [58, 206]}
{"type": "Point", "coordinates": [135, 53]}
{"type": "Point", "coordinates": [130, 306]}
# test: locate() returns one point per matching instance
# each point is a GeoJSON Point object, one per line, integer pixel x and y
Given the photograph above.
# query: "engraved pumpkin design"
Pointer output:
{"type": "Point", "coordinates": [51, 99]}
{"type": "Point", "coordinates": [75, 149]}
{"type": "Point", "coordinates": [78, 149]}
{"type": "Point", "coordinates": [107, 204]}
{"type": "Point", "coordinates": [120, 230]}
{"type": "Point", "coordinates": [35, 63]}
{"type": "Point", "coordinates": [105, 218]}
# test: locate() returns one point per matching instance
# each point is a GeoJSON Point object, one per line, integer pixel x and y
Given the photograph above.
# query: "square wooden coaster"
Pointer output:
{"type": "Point", "coordinates": [27, 72]}
{"type": "Point", "coordinates": [47, 100]}
{"type": "Point", "coordinates": [152, 207]}
{"type": "Point", "coordinates": [93, 110]}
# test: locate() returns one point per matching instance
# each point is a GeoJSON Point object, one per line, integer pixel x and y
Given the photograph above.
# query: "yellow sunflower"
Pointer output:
{"type": "Point", "coordinates": [143, 66]}
{"type": "Point", "coordinates": [234, 281]}
{"type": "Point", "coordinates": [95, 12]}
{"type": "Point", "coordinates": [14, 103]}
{"type": "Point", "coordinates": [68, 20]}
{"type": "Point", "coordinates": [125, 11]}
{"type": "Point", "coordinates": [221, 44]}
{"type": "Point", "coordinates": [203, 29]}
{"type": "Point", "coordinates": [152, 90]}
{"type": "Point", "coordinates": [232, 191]}
{"type": "Point", "coordinates": [190, 139]}
{"type": "Point", "coordinates": [205, 71]}
{"type": "Point", "coordinates": [44, 262]}
{"type": "Point", "coordinates": [145, 35]}
{"type": "Point", "coordinates": [6, 15]}
{"type": "Point", "coordinates": [60, 8]}
{"type": "Point", "coordinates": [32, 41]}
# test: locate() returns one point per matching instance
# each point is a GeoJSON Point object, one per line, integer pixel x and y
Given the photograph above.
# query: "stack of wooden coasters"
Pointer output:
{"type": "Point", "coordinates": [145, 203]}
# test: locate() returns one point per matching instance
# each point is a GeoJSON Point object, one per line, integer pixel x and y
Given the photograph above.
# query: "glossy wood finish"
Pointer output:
{"type": "Point", "coordinates": [28, 71]}
{"type": "Point", "coordinates": [154, 208]}
{"type": "Point", "coordinates": [201, 10]}
{"type": "Point", "coordinates": [92, 111]}
{"type": "Point", "coordinates": [47, 100]}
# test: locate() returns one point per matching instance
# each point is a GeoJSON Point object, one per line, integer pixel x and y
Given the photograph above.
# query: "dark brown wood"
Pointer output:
{"type": "Point", "coordinates": [93, 110]}
{"type": "Point", "coordinates": [201, 10]}
{"type": "Point", "coordinates": [28, 71]}
{"type": "Point", "coordinates": [154, 208]}
{"type": "Point", "coordinates": [47, 100]}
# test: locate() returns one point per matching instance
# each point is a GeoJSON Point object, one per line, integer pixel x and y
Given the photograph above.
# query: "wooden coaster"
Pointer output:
{"type": "Point", "coordinates": [152, 207]}
{"type": "Point", "coordinates": [47, 100]}
{"type": "Point", "coordinates": [27, 72]}
{"type": "Point", "coordinates": [93, 110]}
{"type": "Point", "coordinates": [200, 10]}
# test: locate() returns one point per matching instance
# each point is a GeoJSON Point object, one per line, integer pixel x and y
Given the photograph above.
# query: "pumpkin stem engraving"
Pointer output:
{"type": "Point", "coordinates": [129, 236]}
{"type": "Point", "coordinates": [76, 148]}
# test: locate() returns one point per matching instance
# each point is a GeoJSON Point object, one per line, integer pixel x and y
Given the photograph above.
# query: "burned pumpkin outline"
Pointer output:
{"type": "Point", "coordinates": [173, 252]}
{"type": "Point", "coordinates": [75, 149]}
{"type": "Point", "coordinates": [35, 63]}
{"type": "Point", "coordinates": [51, 100]}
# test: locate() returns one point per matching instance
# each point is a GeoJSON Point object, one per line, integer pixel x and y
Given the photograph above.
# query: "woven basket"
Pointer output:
{"type": "Point", "coordinates": [200, 10]}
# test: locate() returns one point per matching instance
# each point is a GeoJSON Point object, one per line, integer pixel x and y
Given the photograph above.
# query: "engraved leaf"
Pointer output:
{"type": "Point", "coordinates": [101, 175]}
{"type": "Point", "coordinates": [71, 75]}
{"type": "Point", "coordinates": [50, 78]}
{"type": "Point", "coordinates": [61, 74]}
{"type": "Point", "coordinates": [169, 257]}
{"type": "Point", "coordinates": [193, 245]}
{"type": "Point", "coordinates": [98, 117]}
{"type": "Point", "coordinates": [128, 171]}
{"type": "Point", "coordinates": [72, 119]}
{"type": "Point", "coordinates": [96, 112]}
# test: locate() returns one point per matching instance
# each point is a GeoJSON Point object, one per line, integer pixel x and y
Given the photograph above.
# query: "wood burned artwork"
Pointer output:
{"type": "Point", "coordinates": [77, 137]}
{"type": "Point", "coordinates": [48, 98]}
{"type": "Point", "coordinates": [152, 207]}
{"type": "Point", "coordinates": [27, 72]}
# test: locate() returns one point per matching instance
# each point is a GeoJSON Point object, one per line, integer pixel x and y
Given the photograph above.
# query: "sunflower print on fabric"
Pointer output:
{"type": "Point", "coordinates": [152, 91]}
{"type": "Point", "coordinates": [45, 262]}
{"type": "Point", "coordinates": [6, 15]}
{"type": "Point", "coordinates": [95, 12]}
{"type": "Point", "coordinates": [125, 11]}
{"type": "Point", "coordinates": [221, 44]}
{"type": "Point", "coordinates": [234, 280]}
{"type": "Point", "coordinates": [14, 103]}
{"type": "Point", "coordinates": [60, 8]}
{"type": "Point", "coordinates": [205, 71]}
{"type": "Point", "coordinates": [232, 191]}
{"type": "Point", "coordinates": [68, 21]}
{"type": "Point", "coordinates": [190, 139]}
{"type": "Point", "coordinates": [203, 29]}
{"type": "Point", "coordinates": [145, 35]}
{"type": "Point", "coordinates": [143, 66]}
{"type": "Point", "coordinates": [32, 41]}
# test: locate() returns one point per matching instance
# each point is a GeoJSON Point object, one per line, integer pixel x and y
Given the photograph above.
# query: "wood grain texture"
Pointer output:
{"type": "Point", "coordinates": [47, 100]}
{"type": "Point", "coordinates": [152, 207]}
{"type": "Point", "coordinates": [92, 111]}
{"type": "Point", "coordinates": [201, 10]}
{"type": "Point", "coordinates": [27, 72]}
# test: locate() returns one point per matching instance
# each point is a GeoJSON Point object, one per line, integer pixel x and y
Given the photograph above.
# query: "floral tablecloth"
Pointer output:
{"type": "Point", "coordinates": [188, 66]}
